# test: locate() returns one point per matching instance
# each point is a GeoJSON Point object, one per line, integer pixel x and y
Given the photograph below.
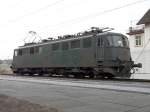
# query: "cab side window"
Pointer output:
{"type": "Point", "coordinates": [100, 41]}
{"type": "Point", "coordinates": [20, 52]}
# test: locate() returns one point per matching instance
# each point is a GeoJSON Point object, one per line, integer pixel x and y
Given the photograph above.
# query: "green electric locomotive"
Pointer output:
{"type": "Point", "coordinates": [93, 53]}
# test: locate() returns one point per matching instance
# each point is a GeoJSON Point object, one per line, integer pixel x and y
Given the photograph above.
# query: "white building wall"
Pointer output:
{"type": "Point", "coordinates": [136, 51]}
{"type": "Point", "coordinates": [147, 32]}
{"type": "Point", "coordinates": [141, 54]}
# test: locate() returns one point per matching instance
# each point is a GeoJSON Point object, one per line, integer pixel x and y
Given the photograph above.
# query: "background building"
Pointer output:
{"type": "Point", "coordinates": [139, 38]}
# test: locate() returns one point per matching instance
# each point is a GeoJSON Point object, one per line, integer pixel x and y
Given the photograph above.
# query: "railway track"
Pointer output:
{"type": "Point", "coordinates": [58, 77]}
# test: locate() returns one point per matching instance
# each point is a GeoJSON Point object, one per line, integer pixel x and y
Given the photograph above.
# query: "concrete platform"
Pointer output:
{"type": "Point", "coordinates": [67, 98]}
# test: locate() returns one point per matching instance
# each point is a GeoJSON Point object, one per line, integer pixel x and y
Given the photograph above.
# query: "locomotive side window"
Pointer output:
{"type": "Point", "coordinates": [24, 51]}
{"type": "Point", "coordinates": [65, 46]}
{"type": "Point", "coordinates": [20, 52]}
{"type": "Point", "coordinates": [32, 50]}
{"type": "Point", "coordinates": [87, 42]}
{"type": "Point", "coordinates": [55, 46]}
{"type": "Point", "coordinates": [36, 49]}
{"type": "Point", "coordinates": [75, 44]}
{"type": "Point", "coordinates": [16, 53]}
{"type": "Point", "coordinates": [40, 49]}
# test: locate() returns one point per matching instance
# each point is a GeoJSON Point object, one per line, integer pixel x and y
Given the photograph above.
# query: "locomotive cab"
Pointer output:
{"type": "Point", "coordinates": [113, 55]}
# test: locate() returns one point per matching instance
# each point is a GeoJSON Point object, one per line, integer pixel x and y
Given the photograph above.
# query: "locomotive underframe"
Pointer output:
{"type": "Point", "coordinates": [104, 69]}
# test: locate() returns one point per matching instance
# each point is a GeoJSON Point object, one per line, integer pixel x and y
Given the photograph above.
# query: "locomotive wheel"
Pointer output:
{"type": "Point", "coordinates": [91, 76]}
{"type": "Point", "coordinates": [79, 76]}
{"type": "Point", "coordinates": [30, 74]}
{"type": "Point", "coordinates": [40, 74]}
{"type": "Point", "coordinates": [110, 77]}
{"type": "Point", "coordinates": [66, 75]}
{"type": "Point", "coordinates": [107, 76]}
{"type": "Point", "coordinates": [19, 74]}
{"type": "Point", "coordinates": [50, 74]}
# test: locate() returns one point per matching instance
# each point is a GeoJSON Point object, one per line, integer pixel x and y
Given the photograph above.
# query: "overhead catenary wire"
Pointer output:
{"type": "Point", "coordinates": [75, 20]}
{"type": "Point", "coordinates": [16, 4]}
{"type": "Point", "coordinates": [93, 15]}
{"type": "Point", "coordinates": [36, 11]}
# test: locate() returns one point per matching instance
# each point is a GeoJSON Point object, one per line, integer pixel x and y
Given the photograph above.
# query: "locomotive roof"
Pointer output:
{"type": "Point", "coordinates": [63, 40]}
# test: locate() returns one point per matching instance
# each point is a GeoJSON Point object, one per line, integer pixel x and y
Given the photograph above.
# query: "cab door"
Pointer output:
{"type": "Point", "coordinates": [100, 53]}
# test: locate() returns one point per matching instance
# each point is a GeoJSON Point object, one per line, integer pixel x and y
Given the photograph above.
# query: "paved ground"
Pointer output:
{"type": "Point", "coordinates": [76, 99]}
{"type": "Point", "coordinates": [11, 104]}
{"type": "Point", "coordinates": [140, 87]}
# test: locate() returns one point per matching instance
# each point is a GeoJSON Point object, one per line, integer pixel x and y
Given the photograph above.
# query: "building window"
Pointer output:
{"type": "Point", "coordinates": [138, 41]}
{"type": "Point", "coordinates": [75, 44]}
{"type": "Point", "coordinates": [87, 42]}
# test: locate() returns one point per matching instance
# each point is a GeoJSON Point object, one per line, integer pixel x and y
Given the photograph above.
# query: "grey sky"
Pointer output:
{"type": "Point", "coordinates": [58, 17]}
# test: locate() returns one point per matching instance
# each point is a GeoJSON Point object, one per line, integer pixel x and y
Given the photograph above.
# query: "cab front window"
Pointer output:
{"type": "Point", "coordinates": [117, 41]}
